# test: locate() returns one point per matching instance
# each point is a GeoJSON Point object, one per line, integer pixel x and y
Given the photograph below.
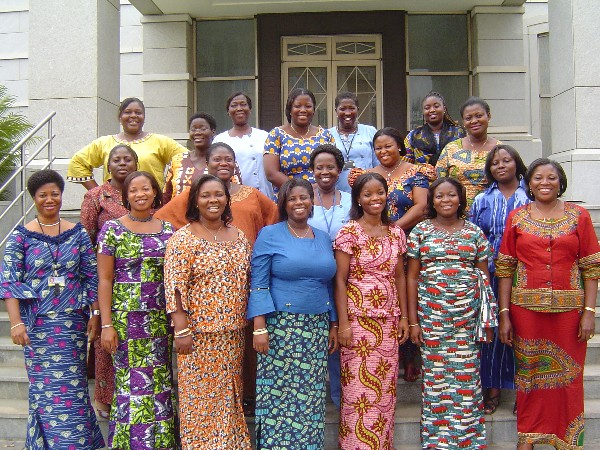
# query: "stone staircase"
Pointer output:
{"type": "Point", "coordinates": [501, 427]}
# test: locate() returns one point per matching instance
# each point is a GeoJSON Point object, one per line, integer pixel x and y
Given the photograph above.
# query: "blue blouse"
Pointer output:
{"type": "Point", "coordinates": [357, 147]}
{"type": "Point", "coordinates": [489, 212]}
{"type": "Point", "coordinates": [291, 274]}
{"type": "Point", "coordinates": [332, 219]}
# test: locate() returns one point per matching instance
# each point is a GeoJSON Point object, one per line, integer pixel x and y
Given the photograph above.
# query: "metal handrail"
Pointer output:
{"type": "Point", "coordinates": [21, 198]}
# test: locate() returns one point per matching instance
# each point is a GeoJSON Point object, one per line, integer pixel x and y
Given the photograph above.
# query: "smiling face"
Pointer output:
{"type": "Point", "coordinates": [201, 134]}
{"type": "Point", "coordinates": [476, 120]}
{"type": "Point", "coordinates": [446, 200]}
{"type": "Point", "coordinates": [326, 171]}
{"type": "Point", "coordinates": [140, 194]}
{"type": "Point", "coordinates": [347, 112]}
{"type": "Point", "coordinates": [372, 198]}
{"type": "Point", "coordinates": [221, 163]}
{"type": "Point", "coordinates": [545, 183]}
{"type": "Point", "coordinates": [302, 111]}
{"type": "Point", "coordinates": [503, 167]}
{"type": "Point", "coordinates": [433, 110]}
{"type": "Point", "coordinates": [211, 200]}
{"type": "Point", "coordinates": [387, 150]}
{"type": "Point", "coordinates": [48, 200]}
{"type": "Point", "coordinates": [299, 204]}
{"type": "Point", "coordinates": [239, 110]}
{"type": "Point", "coordinates": [121, 164]}
{"type": "Point", "coordinates": [132, 118]}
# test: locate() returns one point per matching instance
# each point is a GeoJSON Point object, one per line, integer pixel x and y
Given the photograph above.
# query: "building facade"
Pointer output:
{"type": "Point", "coordinates": [535, 62]}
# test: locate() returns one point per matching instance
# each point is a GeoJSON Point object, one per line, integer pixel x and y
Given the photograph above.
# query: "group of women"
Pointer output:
{"type": "Point", "coordinates": [377, 245]}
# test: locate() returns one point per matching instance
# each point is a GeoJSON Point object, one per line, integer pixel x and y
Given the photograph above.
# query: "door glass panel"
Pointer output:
{"type": "Point", "coordinates": [355, 48]}
{"type": "Point", "coordinates": [308, 48]}
{"type": "Point", "coordinates": [361, 80]}
{"type": "Point", "coordinates": [314, 79]}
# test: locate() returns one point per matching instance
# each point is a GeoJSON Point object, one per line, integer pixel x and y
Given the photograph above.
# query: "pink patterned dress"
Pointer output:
{"type": "Point", "coordinates": [370, 367]}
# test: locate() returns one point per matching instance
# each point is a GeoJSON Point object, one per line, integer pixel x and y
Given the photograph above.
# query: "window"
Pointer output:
{"type": "Point", "coordinates": [438, 60]}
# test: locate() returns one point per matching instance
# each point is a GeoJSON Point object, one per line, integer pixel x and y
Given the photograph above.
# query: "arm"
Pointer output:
{"type": "Point", "coordinates": [416, 212]}
{"type": "Point", "coordinates": [483, 266]}
{"type": "Point", "coordinates": [441, 167]}
{"type": "Point", "coordinates": [89, 216]}
{"type": "Point", "coordinates": [587, 324]}
{"type": "Point", "coordinates": [106, 267]}
{"type": "Point", "coordinates": [400, 279]}
{"type": "Point", "coordinates": [505, 329]}
{"type": "Point", "coordinates": [19, 332]}
{"type": "Point", "coordinates": [412, 290]}
{"type": "Point", "coordinates": [268, 209]}
{"type": "Point", "coordinates": [273, 170]}
{"type": "Point", "coordinates": [168, 189]}
{"type": "Point", "coordinates": [342, 261]}
{"type": "Point", "coordinates": [83, 162]}
{"type": "Point", "coordinates": [88, 273]}
{"type": "Point", "coordinates": [183, 344]}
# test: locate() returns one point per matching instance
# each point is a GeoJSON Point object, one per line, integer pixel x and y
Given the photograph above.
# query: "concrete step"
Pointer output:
{"type": "Point", "coordinates": [11, 355]}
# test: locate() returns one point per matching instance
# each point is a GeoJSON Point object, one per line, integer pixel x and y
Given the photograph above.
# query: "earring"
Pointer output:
{"type": "Point", "coordinates": [360, 205]}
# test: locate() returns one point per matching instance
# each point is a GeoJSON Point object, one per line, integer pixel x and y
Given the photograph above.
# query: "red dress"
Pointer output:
{"type": "Point", "coordinates": [548, 262]}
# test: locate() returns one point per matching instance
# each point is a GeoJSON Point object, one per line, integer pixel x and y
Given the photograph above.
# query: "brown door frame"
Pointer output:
{"type": "Point", "coordinates": [391, 26]}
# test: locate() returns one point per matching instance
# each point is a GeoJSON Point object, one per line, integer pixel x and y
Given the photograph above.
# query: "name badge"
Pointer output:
{"type": "Point", "coordinates": [348, 165]}
{"type": "Point", "coordinates": [56, 281]}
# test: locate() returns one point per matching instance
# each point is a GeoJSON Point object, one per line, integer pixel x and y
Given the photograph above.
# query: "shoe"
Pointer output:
{"type": "Point", "coordinates": [490, 404]}
{"type": "Point", "coordinates": [103, 413]}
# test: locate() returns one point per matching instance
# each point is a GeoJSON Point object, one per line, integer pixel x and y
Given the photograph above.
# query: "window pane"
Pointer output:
{"type": "Point", "coordinates": [225, 48]}
{"type": "Point", "coordinates": [213, 94]}
{"type": "Point", "coordinates": [437, 43]}
{"type": "Point", "coordinates": [455, 90]}
{"type": "Point", "coordinates": [307, 49]}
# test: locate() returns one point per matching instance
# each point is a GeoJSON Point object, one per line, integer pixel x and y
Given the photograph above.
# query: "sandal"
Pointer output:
{"type": "Point", "coordinates": [411, 373]}
{"type": "Point", "coordinates": [490, 404]}
{"type": "Point", "coordinates": [249, 405]}
{"type": "Point", "coordinates": [103, 413]}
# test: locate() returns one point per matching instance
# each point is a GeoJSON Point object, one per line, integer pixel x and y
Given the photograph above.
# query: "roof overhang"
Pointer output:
{"type": "Point", "coordinates": [248, 8]}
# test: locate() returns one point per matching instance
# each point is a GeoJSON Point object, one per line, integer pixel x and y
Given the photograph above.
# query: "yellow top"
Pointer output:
{"type": "Point", "coordinates": [154, 151]}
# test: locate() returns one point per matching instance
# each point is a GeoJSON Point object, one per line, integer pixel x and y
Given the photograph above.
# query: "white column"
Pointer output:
{"type": "Point", "coordinates": [500, 75]}
{"type": "Point", "coordinates": [575, 90]}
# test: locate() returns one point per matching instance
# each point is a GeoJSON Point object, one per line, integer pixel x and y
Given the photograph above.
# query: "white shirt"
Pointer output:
{"type": "Point", "coordinates": [249, 151]}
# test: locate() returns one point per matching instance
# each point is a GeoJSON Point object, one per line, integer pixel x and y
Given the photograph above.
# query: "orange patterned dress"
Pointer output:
{"type": "Point", "coordinates": [212, 278]}
{"type": "Point", "coordinates": [370, 367]}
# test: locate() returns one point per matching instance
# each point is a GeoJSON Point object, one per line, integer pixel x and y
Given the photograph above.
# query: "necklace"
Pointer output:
{"type": "Point", "coordinates": [448, 228]}
{"type": "Point", "coordinates": [328, 221]}
{"type": "Point", "coordinates": [211, 231]}
{"type": "Point", "coordinates": [473, 146]}
{"type": "Point", "coordinates": [296, 234]}
{"type": "Point", "coordinates": [55, 281]}
{"type": "Point", "coordinates": [135, 219]}
{"type": "Point", "coordinates": [389, 174]}
{"type": "Point", "coordinates": [380, 226]}
{"type": "Point", "coordinates": [47, 224]}
{"type": "Point", "coordinates": [300, 134]}
{"type": "Point", "coordinates": [347, 149]}
{"type": "Point", "coordinates": [544, 218]}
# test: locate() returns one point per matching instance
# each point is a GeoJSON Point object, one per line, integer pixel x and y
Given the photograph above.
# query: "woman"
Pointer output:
{"type": "Point", "coordinates": [251, 210]}
{"type": "Point", "coordinates": [354, 139]}
{"type": "Point", "coordinates": [464, 159]}
{"type": "Point", "coordinates": [295, 324]}
{"type": "Point", "coordinates": [247, 142]}
{"type": "Point", "coordinates": [135, 329]}
{"type": "Point", "coordinates": [207, 267]}
{"type": "Point", "coordinates": [155, 151]}
{"type": "Point", "coordinates": [49, 309]}
{"type": "Point", "coordinates": [191, 165]}
{"type": "Point", "coordinates": [288, 148]}
{"type": "Point", "coordinates": [505, 168]}
{"type": "Point", "coordinates": [548, 269]}
{"type": "Point", "coordinates": [448, 286]}
{"type": "Point", "coordinates": [330, 213]}
{"type": "Point", "coordinates": [371, 304]}
{"type": "Point", "coordinates": [101, 204]}
{"type": "Point", "coordinates": [425, 143]}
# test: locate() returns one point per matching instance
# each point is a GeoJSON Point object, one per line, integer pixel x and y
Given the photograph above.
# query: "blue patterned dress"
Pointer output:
{"type": "Point", "coordinates": [489, 212]}
{"type": "Point", "coordinates": [455, 300]}
{"type": "Point", "coordinates": [61, 415]}
{"type": "Point", "coordinates": [294, 153]}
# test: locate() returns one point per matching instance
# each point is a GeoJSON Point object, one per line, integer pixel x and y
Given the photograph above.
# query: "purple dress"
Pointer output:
{"type": "Point", "coordinates": [142, 413]}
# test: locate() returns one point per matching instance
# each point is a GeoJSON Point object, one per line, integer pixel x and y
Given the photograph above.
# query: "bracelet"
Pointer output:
{"type": "Point", "coordinates": [95, 312]}
{"type": "Point", "coordinates": [182, 331]}
{"type": "Point", "coordinates": [16, 325]}
{"type": "Point", "coordinates": [335, 326]}
{"type": "Point", "coordinates": [403, 317]}
{"type": "Point", "coordinates": [590, 309]}
{"type": "Point", "coordinates": [502, 310]}
{"type": "Point", "coordinates": [183, 335]}
{"type": "Point", "coordinates": [260, 331]}
{"type": "Point", "coordinates": [110, 325]}
{"type": "Point", "coordinates": [410, 325]}
{"type": "Point", "coordinates": [343, 331]}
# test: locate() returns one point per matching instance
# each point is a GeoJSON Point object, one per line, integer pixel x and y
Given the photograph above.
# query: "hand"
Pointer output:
{"type": "Point", "coordinates": [93, 328]}
{"type": "Point", "coordinates": [416, 335]}
{"type": "Point", "coordinates": [489, 335]}
{"type": "Point", "coordinates": [505, 330]}
{"type": "Point", "coordinates": [260, 342]}
{"type": "Point", "coordinates": [19, 335]}
{"type": "Point", "coordinates": [586, 326]}
{"type": "Point", "coordinates": [333, 339]}
{"type": "Point", "coordinates": [404, 331]}
{"type": "Point", "coordinates": [345, 336]}
{"type": "Point", "coordinates": [183, 345]}
{"type": "Point", "coordinates": [109, 339]}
